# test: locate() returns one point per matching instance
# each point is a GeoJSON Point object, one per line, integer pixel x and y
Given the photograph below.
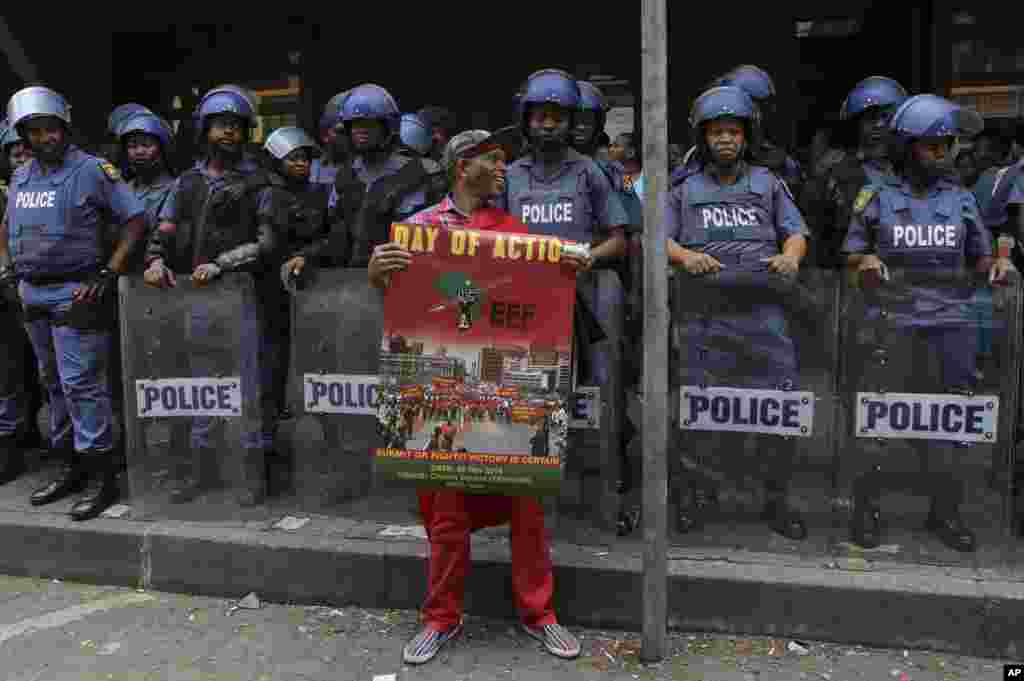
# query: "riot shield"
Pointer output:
{"type": "Point", "coordinates": [337, 321]}
{"type": "Point", "coordinates": [595, 464]}
{"type": "Point", "coordinates": [192, 398]}
{"type": "Point", "coordinates": [929, 385]}
{"type": "Point", "coordinates": [753, 380]}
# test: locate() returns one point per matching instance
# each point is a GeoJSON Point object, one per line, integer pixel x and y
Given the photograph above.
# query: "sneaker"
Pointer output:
{"type": "Point", "coordinates": [556, 639]}
{"type": "Point", "coordinates": [428, 643]}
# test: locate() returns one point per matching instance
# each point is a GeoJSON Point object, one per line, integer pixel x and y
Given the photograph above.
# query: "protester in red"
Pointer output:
{"type": "Point", "coordinates": [475, 163]}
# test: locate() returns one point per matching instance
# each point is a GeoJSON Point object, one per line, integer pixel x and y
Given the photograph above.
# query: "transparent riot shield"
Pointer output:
{"type": "Point", "coordinates": [929, 385]}
{"type": "Point", "coordinates": [193, 413]}
{"type": "Point", "coordinates": [752, 387]}
{"type": "Point", "coordinates": [598, 478]}
{"type": "Point", "coordinates": [337, 321]}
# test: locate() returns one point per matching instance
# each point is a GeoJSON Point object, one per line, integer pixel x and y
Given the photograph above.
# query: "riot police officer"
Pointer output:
{"type": "Point", "coordinates": [381, 185]}
{"type": "Point", "coordinates": [770, 239]}
{"type": "Point", "coordinates": [67, 287]}
{"type": "Point", "coordinates": [303, 244]}
{"type": "Point", "coordinates": [559, 192]}
{"type": "Point", "coordinates": [335, 146]}
{"type": "Point", "coordinates": [827, 199]}
{"type": "Point", "coordinates": [221, 217]}
{"type": "Point", "coordinates": [921, 195]}
{"type": "Point", "coordinates": [146, 147]}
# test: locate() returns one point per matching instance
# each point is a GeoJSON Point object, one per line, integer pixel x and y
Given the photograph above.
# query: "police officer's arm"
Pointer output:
{"type": "Point", "coordinates": [611, 215]}
{"type": "Point", "coordinates": [978, 244]}
{"type": "Point", "coordinates": [791, 229]}
{"type": "Point", "coordinates": [253, 253]}
{"type": "Point", "coordinates": [860, 244]}
{"type": "Point", "coordinates": [119, 203]}
{"type": "Point", "coordinates": [161, 243]}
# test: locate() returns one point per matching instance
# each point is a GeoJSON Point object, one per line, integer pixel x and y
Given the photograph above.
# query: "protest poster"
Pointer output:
{"type": "Point", "coordinates": [475, 363]}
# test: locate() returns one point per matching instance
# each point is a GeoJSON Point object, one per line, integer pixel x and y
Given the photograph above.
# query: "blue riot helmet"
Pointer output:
{"type": "Point", "coordinates": [372, 102]}
{"type": "Point", "coordinates": [37, 102]}
{"type": "Point", "coordinates": [245, 93]}
{"type": "Point", "coordinates": [223, 101]}
{"type": "Point", "coordinates": [146, 124]}
{"type": "Point", "coordinates": [754, 80]}
{"type": "Point", "coordinates": [284, 141]}
{"type": "Point", "coordinates": [724, 101]}
{"type": "Point", "coordinates": [548, 86]}
{"type": "Point", "coordinates": [874, 91]}
{"type": "Point", "coordinates": [416, 134]}
{"type": "Point", "coordinates": [592, 101]}
{"type": "Point", "coordinates": [149, 124]}
{"type": "Point", "coordinates": [933, 116]}
{"type": "Point", "coordinates": [122, 113]}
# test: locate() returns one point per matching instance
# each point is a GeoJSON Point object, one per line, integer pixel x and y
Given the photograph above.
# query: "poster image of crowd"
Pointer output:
{"type": "Point", "coordinates": [476, 366]}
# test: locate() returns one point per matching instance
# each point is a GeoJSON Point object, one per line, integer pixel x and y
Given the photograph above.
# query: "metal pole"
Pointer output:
{"type": "Point", "coordinates": [656, 330]}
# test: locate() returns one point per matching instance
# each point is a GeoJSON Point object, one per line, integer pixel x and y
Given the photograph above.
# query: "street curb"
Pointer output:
{"type": "Point", "coordinates": [892, 608]}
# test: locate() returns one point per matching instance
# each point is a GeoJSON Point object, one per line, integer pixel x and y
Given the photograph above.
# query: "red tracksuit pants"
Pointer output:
{"type": "Point", "coordinates": [449, 517]}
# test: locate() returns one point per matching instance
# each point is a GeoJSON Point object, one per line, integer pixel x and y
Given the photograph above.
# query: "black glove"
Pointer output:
{"type": "Point", "coordinates": [101, 286]}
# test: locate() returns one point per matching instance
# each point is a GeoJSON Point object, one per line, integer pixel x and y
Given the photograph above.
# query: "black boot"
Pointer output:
{"type": "Point", "coordinates": [12, 459]}
{"type": "Point", "coordinates": [783, 519]}
{"type": "Point", "coordinates": [950, 528]}
{"type": "Point", "coordinates": [190, 485]}
{"type": "Point", "coordinates": [101, 491]}
{"type": "Point", "coordinates": [866, 525]}
{"type": "Point", "coordinates": [693, 504]}
{"type": "Point", "coordinates": [70, 479]}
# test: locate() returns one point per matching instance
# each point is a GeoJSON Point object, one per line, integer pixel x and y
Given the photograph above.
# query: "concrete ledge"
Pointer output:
{"type": "Point", "coordinates": [890, 605]}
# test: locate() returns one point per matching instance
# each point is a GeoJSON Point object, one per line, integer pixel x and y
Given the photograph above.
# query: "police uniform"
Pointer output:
{"type": "Point", "coordinates": [153, 197]}
{"type": "Point", "coordinates": [56, 223]}
{"type": "Point", "coordinates": [941, 231]}
{"type": "Point", "coordinates": [737, 336]}
{"type": "Point", "coordinates": [365, 201]}
{"type": "Point", "coordinates": [12, 383]}
{"type": "Point", "coordinates": [232, 220]}
{"type": "Point", "coordinates": [827, 202]}
{"type": "Point", "coordinates": [577, 203]}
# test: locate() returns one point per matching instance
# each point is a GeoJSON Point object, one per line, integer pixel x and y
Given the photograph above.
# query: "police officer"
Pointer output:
{"type": "Point", "coordinates": [146, 147]}
{"type": "Point", "coordinates": [304, 241]}
{"type": "Point", "coordinates": [704, 215]}
{"type": "Point", "coordinates": [589, 125]}
{"type": "Point", "coordinates": [887, 228]}
{"type": "Point", "coordinates": [756, 82]}
{"type": "Point", "coordinates": [336, 147]}
{"type": "Point", "coordinates": [222, 217]}
{"type": "Point", "coordinates": [381, 185]}
{"type": "Point", "coordinates": [827, 199]}
{"type": "Point", "coordinates": [559, 192]}
{"type": "Point", "coordinates": [67, 287]}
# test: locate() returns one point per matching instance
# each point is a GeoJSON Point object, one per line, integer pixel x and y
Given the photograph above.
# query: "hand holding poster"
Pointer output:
{"type": "Point", "coordinates": [475, 362]}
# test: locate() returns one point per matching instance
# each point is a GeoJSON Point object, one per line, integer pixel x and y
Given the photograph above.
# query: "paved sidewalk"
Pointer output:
{"type": "Point", "coordinates": [53, 631]}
